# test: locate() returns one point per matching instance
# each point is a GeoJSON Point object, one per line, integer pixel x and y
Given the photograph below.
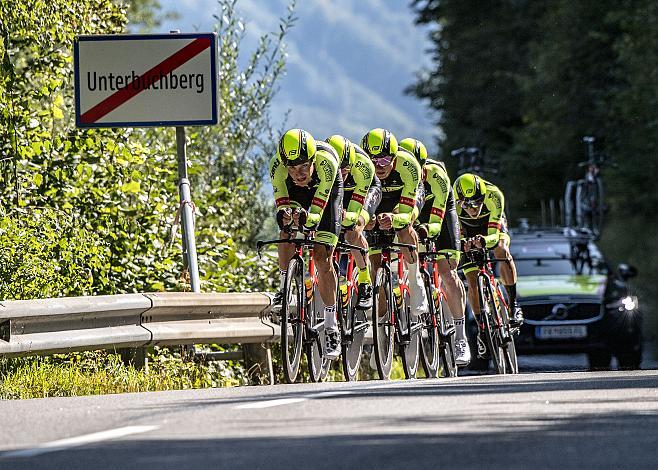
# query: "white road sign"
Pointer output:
{"type": "Point", "coordinates": [146, 80]}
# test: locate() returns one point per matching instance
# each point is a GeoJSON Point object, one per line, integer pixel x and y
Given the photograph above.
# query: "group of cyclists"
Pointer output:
{"type": "Point", "coordinates": [336, 185]}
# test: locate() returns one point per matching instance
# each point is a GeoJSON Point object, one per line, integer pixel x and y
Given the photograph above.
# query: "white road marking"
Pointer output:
{"type": "Point", "coordinates": [78, 441]}
{"type": "Point", "coordinates": [310, 396]}
{"type": "Point", "coordinates": [270, 403]}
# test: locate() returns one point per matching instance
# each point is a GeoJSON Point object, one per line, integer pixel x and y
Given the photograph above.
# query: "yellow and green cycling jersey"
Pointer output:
{"type": "Point", "coordinates": [399, 189]}
{"type": "Point", "coordinates": [324, 175]}
{"type": "Point", "coordinates": [491, 218]}
{"type": "Point", "coordinates": [437, 193]}
{"type": "Point", "coordinates": [356, 185]}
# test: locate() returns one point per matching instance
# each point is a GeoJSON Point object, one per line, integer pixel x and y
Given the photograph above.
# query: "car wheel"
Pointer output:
{"type": "Point", "coordinates": [629, 359]}
{"type": "Point", "coordinates": [599, 360]}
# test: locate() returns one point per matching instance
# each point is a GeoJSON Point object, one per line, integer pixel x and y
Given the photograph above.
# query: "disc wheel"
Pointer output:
{"type": "Point", "coordinates": [318, 366]}
{"type": "Point", "coordinates": [354, 326]}
{"type": "Point", "coordinates": [383, 330]}
{"type": "Point", "coordinates": [408, 337]}
{"type": "Point", "coordinates": [292, 312]}
{"type": "Point", "coordinates": [429, 337]}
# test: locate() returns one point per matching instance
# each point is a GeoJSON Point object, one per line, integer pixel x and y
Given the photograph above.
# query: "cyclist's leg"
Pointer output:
{"type": "Point", "coordinates": [508, 275]}
{"type": "Point", "coordinates": [449, 244]}
{"type": "Point", "coordinates": [418, 296]}
{"type": "Point", "coordinates": [328, 231]}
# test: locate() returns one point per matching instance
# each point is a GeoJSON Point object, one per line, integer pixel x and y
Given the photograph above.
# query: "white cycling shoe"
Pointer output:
{"type": "Point", "coordinates": [331, 344]}
{"type": "Point", "coordinates": [462, 353]}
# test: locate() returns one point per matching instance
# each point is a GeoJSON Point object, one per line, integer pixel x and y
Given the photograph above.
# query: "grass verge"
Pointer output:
{"type": "Point", "coordinates": [101, 372]}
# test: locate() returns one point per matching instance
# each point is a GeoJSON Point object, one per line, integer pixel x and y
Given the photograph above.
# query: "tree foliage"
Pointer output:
{"type": "Point", "coordinates": [112, 193]}
{"type": "Point", "coordinates": [530, 79]}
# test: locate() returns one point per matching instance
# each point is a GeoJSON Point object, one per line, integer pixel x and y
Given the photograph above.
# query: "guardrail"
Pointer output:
{"type": "Point", "coordinates": [115, 322]}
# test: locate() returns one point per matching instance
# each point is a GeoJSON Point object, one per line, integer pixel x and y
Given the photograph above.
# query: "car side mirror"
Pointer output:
{"type": "Point", "coordinates": [626, 271]}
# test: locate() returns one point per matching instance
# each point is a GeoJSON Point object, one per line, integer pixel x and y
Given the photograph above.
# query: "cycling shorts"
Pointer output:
{"type": "Point", "coordinates": [390, 200]}
{"type": "Point", "coordinates": [447, 241]}
{"type": "Point", "coordinates": [330, 224]}
{"type": "Point", "coordinates": [470, 231]}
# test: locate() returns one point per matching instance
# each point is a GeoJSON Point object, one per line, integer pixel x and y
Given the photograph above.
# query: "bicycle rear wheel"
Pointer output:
{"type": "Point", "coordinates": [292, 313]}
{"type": "Point", "coordinates": [383, 330]}
{"type": "Point", "coordinates": [408, 337]}
{"type": "Point", "coordinates": [447, 346]}
{"type": "Point", "coordinates": [318, 366]}
{"type": "Point", "coordinates": [354, 325]}
{"type": "Point", "coordinates": [509, 348]}
{"type": "Point", "coordinates": [429, 336]}
{"type": "Point", "coordinates": [490, 328]}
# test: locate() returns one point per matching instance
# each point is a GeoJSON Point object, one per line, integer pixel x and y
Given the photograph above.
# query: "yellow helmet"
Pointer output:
{"type": "Point", "coordinates": [379, 143]}
{"type": "Point", "coordinates": [416, 147]}
{"type": "Point", "coordinates": [296, 146]}
{"type": "Point", "coordinates": [469, 187]}
{"type": "Point", "coordinates": [344, 148]}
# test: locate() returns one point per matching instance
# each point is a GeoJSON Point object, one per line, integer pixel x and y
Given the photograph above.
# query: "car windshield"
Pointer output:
{"type": "Point", "coordinates": [555, 259]}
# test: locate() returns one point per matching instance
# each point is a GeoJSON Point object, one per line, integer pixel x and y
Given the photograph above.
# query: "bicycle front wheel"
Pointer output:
{"type": "Point", "coordinates": [383, 330]}
{"type": "Point", "coordinates": [292, 314]}
{"type": "Point", "coordinates": [318, 366]}
{"type": "Point", "coordinates": [491, 331]}
{"type": "Point", "coordinates": [429, 336]}
{"type": "Point", "coordinates": [408, 336]}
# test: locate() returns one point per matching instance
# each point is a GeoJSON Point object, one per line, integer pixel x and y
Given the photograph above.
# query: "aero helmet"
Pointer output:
{"type": "Point", "coordinates": [379, 143]}
{"type": "Point", "coordinates": [344, 149]}
{"type": "Point", "coordinates": [416, 147]}
{"type": "Point", "coordinates": [296, 147]}
{"type": "Point", "coordinates": [469, 187]}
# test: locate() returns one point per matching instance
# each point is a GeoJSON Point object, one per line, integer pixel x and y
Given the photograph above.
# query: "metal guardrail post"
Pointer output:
{"type": "Point", "coordinates": [258, 358]}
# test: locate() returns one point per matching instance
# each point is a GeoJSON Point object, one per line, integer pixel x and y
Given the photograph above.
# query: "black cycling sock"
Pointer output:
{"type": "Point", "coordinates": [511, 290]}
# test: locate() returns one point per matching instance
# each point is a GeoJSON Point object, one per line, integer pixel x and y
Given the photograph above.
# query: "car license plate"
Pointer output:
{"type": "Point", "coordinates": [561, 332]}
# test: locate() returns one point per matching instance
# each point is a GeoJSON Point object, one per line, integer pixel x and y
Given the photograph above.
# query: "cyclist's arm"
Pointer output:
{"type": "Point", "coordinates": [326, 166]}
{"type": "Point", "coordinates": [440, 186]}
{"type": "Point", "coordinates": [495, 202]}
{"type": "Point", "coordinates": [409, 169]}
{"type": "Point", "coordinates": [362, 173]}
{"type": "Point", "coordinates": [278, 175]}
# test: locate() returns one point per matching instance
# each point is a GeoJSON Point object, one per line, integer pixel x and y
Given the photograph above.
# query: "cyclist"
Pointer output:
{"type": "Point", "coordinates": [305, 176]}
{"type": "Point", "coordinates": [438, 219]}
{"type": "Point", "coordinates": [362, 194]}
{"type": "Point", "coordinates": [402, 195]}
{"type": "Point", "coordinates": [480, 207]}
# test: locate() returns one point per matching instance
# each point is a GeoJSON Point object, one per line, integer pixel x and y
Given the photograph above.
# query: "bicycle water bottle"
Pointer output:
{"type": "Point", "coordinates": [398, 296]}
{"type": "Point", "coordinates": [343, 290]}
{"type": "Point", "coordinates": [308, 283]}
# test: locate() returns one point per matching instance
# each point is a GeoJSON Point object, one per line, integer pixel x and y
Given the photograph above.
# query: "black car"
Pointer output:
{"type": "Point", "coordinates": [572, 301]}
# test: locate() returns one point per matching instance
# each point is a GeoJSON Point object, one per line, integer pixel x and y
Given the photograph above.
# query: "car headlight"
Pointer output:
{"type": "Point", "coordinates": [627, 303]}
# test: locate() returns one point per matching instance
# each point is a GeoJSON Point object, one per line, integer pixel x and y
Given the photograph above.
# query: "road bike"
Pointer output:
{"type": "Point", "coordinates": [584, 199]}
{"type": "Point", "coordinates": [353, 321]}
{"type": "Point", "coordinates": [302, 315]}
{"type": "Point", "coordinates": [437, 350]}
{"type": "Point", "coordinates": [494, 318]}
{"type": "Point", "coordinates": [473, 160]}
{"type": "Point", "coordinates": [392, 320]}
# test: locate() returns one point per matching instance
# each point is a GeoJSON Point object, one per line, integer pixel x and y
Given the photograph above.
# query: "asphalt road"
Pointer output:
{"type": "Point", "coordinates": [539, 420]}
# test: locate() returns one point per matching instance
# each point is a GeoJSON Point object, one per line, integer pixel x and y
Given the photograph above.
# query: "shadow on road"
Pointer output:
{"type": "Point", "coordinates": [616, 440]}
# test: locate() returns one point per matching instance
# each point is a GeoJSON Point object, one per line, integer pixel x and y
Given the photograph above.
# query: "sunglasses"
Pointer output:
{"type": "Point", "coordinates": [471, 203]}
{"type": "Point", "coordinates": [383, 161]}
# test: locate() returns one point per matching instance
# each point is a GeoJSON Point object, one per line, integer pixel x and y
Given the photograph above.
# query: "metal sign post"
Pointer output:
{"type": "Point", "coordinates": [187, 213]}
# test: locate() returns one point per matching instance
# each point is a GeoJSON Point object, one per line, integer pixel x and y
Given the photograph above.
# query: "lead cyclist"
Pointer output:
{"type": "Point", "coordinates": [305, 178]}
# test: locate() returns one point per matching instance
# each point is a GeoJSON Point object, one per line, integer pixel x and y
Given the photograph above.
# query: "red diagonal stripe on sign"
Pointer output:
{"type": "Point", "coordinates": [171, 63]}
